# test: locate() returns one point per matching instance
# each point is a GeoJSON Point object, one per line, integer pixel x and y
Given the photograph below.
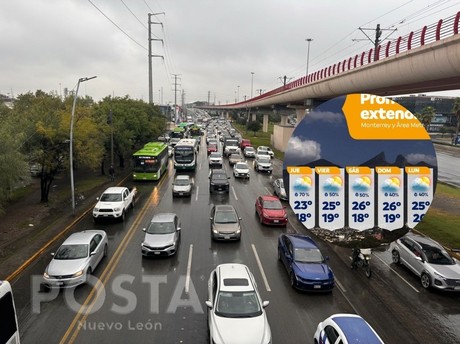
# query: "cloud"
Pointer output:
{"type": "Point", "coordinates": [416, 158]}
{"type": "Point", "coordinates": [304, 149]}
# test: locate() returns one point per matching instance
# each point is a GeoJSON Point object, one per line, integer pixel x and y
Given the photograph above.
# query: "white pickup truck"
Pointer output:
{"type": "Point", "coordinates": [114, 203]}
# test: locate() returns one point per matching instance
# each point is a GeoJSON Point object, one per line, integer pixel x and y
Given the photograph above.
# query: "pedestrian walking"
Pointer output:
{"type": "Point", "coordinates": [112, 173]}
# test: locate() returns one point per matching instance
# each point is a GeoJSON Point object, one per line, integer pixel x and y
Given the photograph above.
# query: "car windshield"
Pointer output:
{"type": "Point", "coordinates": [182, 181]}
{"type": "Point", "coordinates": [438, 257]}
{"type": "Point", "coordinates": [77, 251]}
{"type": "Point", "coordinates": [275, 204]}
{"type": "Point", "coordinates": [238, 304]}
{"type": "Point", "coordinates": [225, 217]}
{"type": "Point", "coordinates": [109, 197]}
{"type": "Point", "coordinates": [235, 156]}
{"type": "Point", "coordinates": [264, 159]}
{"type": "Point", "coordinates": [281, 184]}
{"type": "Point", "coordinates": [161, 228]}
{"type": "Point", "coordinates": [249, 149]}
{"type": "Point", "coordinates": [241, 166]}
{"type": "Point", "coordinates": [308, 255]}
{"type": "Point", "coordinates": [215, 155]}
{"type": "Point", "coordinates": [219, 176]}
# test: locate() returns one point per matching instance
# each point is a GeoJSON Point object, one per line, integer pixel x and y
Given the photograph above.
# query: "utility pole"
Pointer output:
{"type": "Point", "coordinates": [150, 53]}
{"type": "Point", "coordinates": [376, 41]}
{"type": "Point", "coordinates": [175, 96]}
{"type": "Point", "coordinates": [209, 95]}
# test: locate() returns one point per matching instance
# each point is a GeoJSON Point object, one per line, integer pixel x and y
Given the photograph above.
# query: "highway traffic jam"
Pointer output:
{"type": "Point", "coordinates": [202, 247]}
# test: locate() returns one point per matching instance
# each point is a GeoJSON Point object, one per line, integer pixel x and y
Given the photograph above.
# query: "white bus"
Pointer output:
{"type": "Point", "coordinates": [9, 333]}
{"type": "Point", "coordinates": [185, 155]}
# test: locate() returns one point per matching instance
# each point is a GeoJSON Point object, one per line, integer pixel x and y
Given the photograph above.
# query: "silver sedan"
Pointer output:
{"type": "Point", "coordinates": [76, 259]}
{"type": "Point", "coordinates": [278, 189]}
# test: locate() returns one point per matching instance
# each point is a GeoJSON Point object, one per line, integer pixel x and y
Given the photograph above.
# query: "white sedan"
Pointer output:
{"type": "Point", "coordinates": [76, 259]}
{"type": "Point", "coordinates": [236, 313]}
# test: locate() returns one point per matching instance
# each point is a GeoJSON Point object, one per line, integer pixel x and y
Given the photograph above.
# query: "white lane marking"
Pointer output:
{"type": "Point", "coordinates": [340, 285]}
{"type": "Point", "coordinates": [268, 191]}
{"type": "Point", "coordinates": [234, 193]}
{"type": "Point", "coordinates": [189, 268]}
{"type": "Point", "coordinates": [196, 195]}
{"type": "Point", "coordinates": [403, 279]}
{"type": "Point", "coordinates": [262, 272]}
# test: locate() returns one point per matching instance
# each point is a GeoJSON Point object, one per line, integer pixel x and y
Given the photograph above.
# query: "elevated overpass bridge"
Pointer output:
{"type": "Point", "coordinates": [423, 61]}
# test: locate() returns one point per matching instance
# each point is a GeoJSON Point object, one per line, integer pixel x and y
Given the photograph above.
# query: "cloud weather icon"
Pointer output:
{"type": "Point", "coordinates": [332, 184]}
{"type": "Point", "coordinates": [302, 184]}
{"type": "Point", "coordinates": [391, 184]}
{"type": "Point", "coordinates": [362, 184]}
{"type": "Point", "coordinates": [421, 184]}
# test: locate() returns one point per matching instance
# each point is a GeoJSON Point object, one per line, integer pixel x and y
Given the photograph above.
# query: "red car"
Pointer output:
{"type": "Point", "coordinates": [245, 143]}
{"type": "Point", "coordinates": [212, 148]}
{"type": "Point", "coordinates": [271, 211]}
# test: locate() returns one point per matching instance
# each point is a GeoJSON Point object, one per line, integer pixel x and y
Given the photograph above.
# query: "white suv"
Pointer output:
{"type": "Point", "coordinates": [263, 163]}
{"type": "Point", "coordinates": [236, 312]}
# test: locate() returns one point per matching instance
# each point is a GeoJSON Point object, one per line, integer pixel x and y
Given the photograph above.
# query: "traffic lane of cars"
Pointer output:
{"type": "Point", "coordinates": [348, 284]}
{"type": "Point", "coordinates": [33, 320]}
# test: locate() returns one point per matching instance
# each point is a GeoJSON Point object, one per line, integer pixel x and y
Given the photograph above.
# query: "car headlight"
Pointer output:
{"type": "Point", "coordinates": [439, 276]}
{"type": "Point", "coordinates": [45, 274]}
{"type": "Point", "coordinates": [96, 209]}
{"type": "Point", "coordinates": [77, 274]}
{"type": "Point", "coordinates": [116, 209]}
{"type": "Point", "coordinates": [215, 231]}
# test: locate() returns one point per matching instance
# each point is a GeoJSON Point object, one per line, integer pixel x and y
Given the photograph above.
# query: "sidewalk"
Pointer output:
{"type": "Point", "coordinates": [27, 225]}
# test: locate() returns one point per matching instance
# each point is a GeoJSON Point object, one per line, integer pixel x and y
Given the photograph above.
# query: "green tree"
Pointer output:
{"type": "Point", "coordinates": [134, 123]}
{"type": "Point", "coordinates": [426, 115]}
{"type": "Point", "coordinates": [45, 122]}
{"type": "Point", "coordinates": [253, 126]}
{"type": "Point", "coordinates": [456, 111]}
{"type": "Point", "coordinates": [13, 164]}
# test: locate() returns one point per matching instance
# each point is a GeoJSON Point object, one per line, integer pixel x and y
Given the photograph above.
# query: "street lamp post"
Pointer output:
{"type": "Point", "coordinates": [252, 82]}
{"type": "Point", "coordinates": [72, 188]}
{"type": "Point", "coordinates": [308, 40]}
{"type": "Point", "coordinates": [238, 96]}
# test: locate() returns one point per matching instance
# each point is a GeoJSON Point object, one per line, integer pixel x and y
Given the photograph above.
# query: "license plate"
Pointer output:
{"type": "Point", "coordinates": [227, 237]}
{"type": "Point", "coordinates": [276, 221]}
{"type": "Point", "coordinates": [181, 193]}
{"type": "Point", "coordinates": [156, 252]}
{"type": "Point", "coordinates": [60, 283]}
{"type": "Point", "coordinates": [457, 288]}
{"type": "Point", "coordinates": [317, 286]}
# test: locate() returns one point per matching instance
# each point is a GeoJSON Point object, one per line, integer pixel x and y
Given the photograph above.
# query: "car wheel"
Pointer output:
{"type": "Point", "coordinates": [132, 204]}
{"type": "Point", "coordinates": [88, 274]}
{"type": "Point", "coordinates": [105, 250]}
{"type": "Point", "coordinates": [279, 255]}
{"type": "Point", "coordinates": [123, 216]}
{"type": "Point", "coordinates": [425, 280]}
{"type": "Point", "coordinates": [395, 257]}
{"type": "Point", "coordinates": [95, 220]}
{"type": "Point", "coordinates": [292, 280]}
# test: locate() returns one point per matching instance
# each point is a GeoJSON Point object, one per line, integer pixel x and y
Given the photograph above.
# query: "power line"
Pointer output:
{"type": "Point", "coordinates": [134, 15]}
{"type": "Point", "coordinates": [118, 27]}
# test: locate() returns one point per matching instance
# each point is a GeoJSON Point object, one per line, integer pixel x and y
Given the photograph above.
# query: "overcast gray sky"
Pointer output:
{"type": "Point", "coordinates": [213, 45]}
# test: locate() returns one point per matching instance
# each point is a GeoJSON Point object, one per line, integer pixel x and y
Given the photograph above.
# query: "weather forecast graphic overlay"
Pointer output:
{"type": "Point", "coordinates": [360, 170]}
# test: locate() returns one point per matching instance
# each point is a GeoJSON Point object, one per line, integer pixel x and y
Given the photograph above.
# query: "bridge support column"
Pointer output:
{"type": "Point", "coordinates": [253, 117]}
{"type": "Point", "coordinates": [265, 123]}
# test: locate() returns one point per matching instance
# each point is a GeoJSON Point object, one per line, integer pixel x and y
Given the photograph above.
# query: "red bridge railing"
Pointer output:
{"type": "Point", "coordinates": [444, 28]}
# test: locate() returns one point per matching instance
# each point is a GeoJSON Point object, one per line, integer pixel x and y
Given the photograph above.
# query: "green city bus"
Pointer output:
{"type": "Point", "coordinates": [150, 162]}
{"type": "Point", "coordinates": [178, 132]}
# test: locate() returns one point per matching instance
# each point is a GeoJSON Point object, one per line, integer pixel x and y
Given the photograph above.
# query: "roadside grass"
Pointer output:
{"type": "Point", "coordinates": [442, 225]}
{"type": "Point", "coordinates": [261, 138]}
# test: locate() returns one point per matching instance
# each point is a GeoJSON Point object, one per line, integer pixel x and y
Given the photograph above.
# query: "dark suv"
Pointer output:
{"type": "Point", "coordinates": [218, 181]}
